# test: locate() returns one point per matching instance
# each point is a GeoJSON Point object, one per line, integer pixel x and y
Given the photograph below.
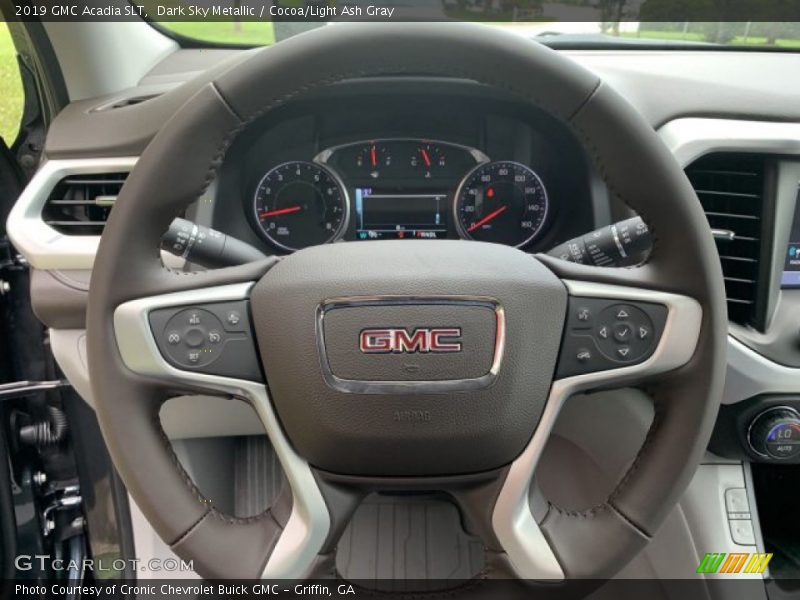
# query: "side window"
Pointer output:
{"type": "Point", "coordinates": [11, 97]}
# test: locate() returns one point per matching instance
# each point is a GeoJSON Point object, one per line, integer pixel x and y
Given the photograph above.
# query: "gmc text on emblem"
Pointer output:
{"type": "Point", "coordinates": [399, 341]}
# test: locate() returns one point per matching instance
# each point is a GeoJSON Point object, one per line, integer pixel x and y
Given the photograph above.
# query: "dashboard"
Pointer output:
{"type": "Point", "coordinates": [448, 165]}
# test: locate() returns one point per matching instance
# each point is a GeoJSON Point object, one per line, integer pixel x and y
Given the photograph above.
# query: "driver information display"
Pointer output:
{"type": "Point", "coordinates": [391, 215]}
{"type": "Point", "coordinates": [791, 269]}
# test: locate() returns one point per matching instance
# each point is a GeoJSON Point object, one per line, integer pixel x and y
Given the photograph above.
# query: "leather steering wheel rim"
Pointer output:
{"type": "Point", "coordinates": [186, 153]}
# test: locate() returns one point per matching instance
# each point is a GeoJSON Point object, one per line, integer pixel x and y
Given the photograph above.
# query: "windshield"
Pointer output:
{"type": "Point", "coordinates": [699, 35]}
{"type": "Point", "coordinates": [569, 23]}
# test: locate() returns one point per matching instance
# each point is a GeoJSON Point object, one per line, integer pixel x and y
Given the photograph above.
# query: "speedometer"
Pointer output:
{"type": "Point", "coordinates": [503, 202]}
{"type": "Point", "coordinates": [300, 204]}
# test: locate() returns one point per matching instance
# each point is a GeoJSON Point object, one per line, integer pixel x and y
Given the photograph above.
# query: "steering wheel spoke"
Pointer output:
{"type": "Point", "coordinates": [657, 331]}
{"type": "Point", "coordinates": [617, 335]}
{"type": "Point", "coordinates": [201, 338]}
{"type": "Point", "coordinates": [160, 336]}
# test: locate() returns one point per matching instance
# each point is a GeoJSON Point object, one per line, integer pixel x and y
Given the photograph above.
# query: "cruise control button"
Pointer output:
{"type": "Point", "coordinates": [199, 347]}
{"type": "Point", "coordinates": [195, 337]}
{"type": "Point", "coordinates": [583, 355]}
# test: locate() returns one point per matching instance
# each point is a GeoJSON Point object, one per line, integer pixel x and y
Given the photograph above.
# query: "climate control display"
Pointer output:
{"type": "Point", "coordinates": [775, 433]}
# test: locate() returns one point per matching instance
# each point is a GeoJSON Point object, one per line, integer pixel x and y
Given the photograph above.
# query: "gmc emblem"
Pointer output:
{"type": "Point", "coordinates": [399, 341]}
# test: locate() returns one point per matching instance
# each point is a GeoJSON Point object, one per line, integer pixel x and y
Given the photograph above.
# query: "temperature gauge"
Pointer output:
{"type": "Point", "coordinates": [428, 158]}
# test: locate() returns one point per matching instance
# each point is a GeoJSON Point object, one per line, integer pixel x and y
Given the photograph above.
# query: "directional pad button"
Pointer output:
{"type": "Point", "coordinates": [630, 326]}
{"type": "Point", "coordinates": [623, 332]}
{"type": "Point", "coordinates": [612, 334]}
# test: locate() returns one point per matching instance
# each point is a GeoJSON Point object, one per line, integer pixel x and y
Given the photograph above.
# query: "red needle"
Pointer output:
{"type": "Point", "coordinates": [487, 218]}
{"type": "Point", "coordinates": [280, 211]}
{"type": "Point", "coordinates": [425, 157]}
{"type": "Point", "coordinates": [373, 155]}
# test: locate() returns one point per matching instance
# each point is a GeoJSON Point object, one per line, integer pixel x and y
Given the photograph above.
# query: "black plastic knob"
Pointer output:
{"type": "Point", "coordinates": [775, 433]}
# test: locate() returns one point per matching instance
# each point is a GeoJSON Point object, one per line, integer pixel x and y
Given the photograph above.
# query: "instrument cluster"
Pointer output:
{"type": "Point", "coordinates": [400, 189]}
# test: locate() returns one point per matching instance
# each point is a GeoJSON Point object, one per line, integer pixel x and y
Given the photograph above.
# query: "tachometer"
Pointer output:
{"type": "Point", "coordinates": [300, 204]}
{"type": "Point", "coordinates": [503, 202]}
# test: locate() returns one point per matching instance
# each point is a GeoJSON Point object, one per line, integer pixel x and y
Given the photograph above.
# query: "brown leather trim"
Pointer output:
{"type": "Point", "coordinates": [128, 265]}
{"type": "Point", "coordinates": [211, 541]}
{"type": "Point", "coordinates": [636, 166]}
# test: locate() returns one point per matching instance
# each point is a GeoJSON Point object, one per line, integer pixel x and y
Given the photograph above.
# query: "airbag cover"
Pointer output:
{"type": "Point", "coordinates": [311, 309]}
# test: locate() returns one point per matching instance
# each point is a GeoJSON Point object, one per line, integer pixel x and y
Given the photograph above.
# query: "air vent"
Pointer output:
{"type": "Point", "coordinates": [731, 188]}
{"type": "Point", "coordinates": [80, 204]}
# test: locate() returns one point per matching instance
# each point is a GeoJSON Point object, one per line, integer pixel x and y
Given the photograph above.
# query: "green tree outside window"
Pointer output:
{"type": "Point", "coordinates": [11, 98]}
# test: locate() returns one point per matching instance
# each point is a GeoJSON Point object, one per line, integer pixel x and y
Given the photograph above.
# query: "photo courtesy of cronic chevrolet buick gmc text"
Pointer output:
{"type": "Point", "coordinates": [301, 300]}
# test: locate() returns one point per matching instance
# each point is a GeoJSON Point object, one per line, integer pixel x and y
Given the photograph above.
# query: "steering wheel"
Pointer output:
{"type": "Point", "coordinates": [433, 365]}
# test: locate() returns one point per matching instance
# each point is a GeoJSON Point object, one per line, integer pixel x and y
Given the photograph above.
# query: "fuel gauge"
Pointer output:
{"type": "Point", "coordinates": [373, 158]}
